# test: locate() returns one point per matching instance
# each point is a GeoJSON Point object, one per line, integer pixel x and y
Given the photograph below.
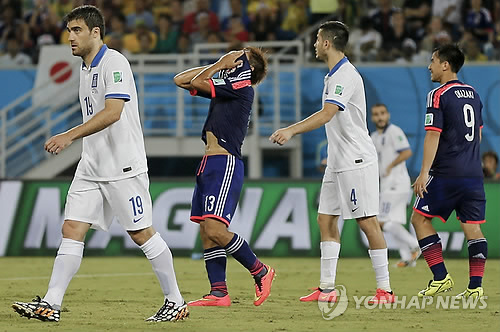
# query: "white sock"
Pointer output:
{"type": "Point", "coordinates": [380, 265]}
{"type": "Point", "coordinates": [329, 258]}
{"type": "Point", "coordinates": [67, 262]}
{"type": "Point", "coordinates": [160, 256]}
{"type": "Point", "coordinates": [401, 233]}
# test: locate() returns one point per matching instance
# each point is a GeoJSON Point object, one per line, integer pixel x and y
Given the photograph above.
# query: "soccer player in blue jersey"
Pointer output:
{"type": "Point", "coordinates": [219, 177]}
{"type": "Point", "coordinates": [451, 177]}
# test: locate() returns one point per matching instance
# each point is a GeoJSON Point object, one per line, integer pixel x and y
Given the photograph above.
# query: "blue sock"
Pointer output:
{"type": "Point", "coordinates": [478, 252]}
{"type": "Point", "coordinates": [433, 253]}
{"type": "Point", "coordinates": [215, 263]}
{"type": "Point", "coordinates": [241, 251]}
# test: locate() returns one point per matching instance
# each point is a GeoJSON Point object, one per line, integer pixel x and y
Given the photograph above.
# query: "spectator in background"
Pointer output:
{"type": "Point", "coordinates": [140, 15]}
{"type": "Point", "coordinates": [436, 35]}
{"type": "Point", "coordinates": [365, 40]}
{"type": "Point", "coordinates": [320, 9]}
{"type": "Point", "coordinates": [417, 14]}
{"type": "Point", "coordinates": [203, 28]}
{"type": "Point", "coordinates": [295, 19]}
{"type": "Point", "coordinates": [10, 24]}
{"type": "Point", "coordinates": [191, 20]}
{"type": "Point", "coordinates": [236, 31]}
{"type": "Point", "coordinates": [264, 25]}
{"type": "Point", "coordinates": [478, 21]}
{"type": "Point", "coordinates": [14, 56]}
{"type": "Point", "coordinates": [472, 49]}
{"type": "Point", "coordinates": [115, 42]}
{"type": "Point", "coordinates": [236, 8]}
{"type": "Point", "coordinates": [145, 43]}
{"type": "Point", "coordinates": [161, 7]}
{"type": "Point", "coordinates": [117, 27]}
{"type": "Point", "coordinates": [176, 14]}
{"type": "Point", "coordinates": [408, 53]}
{"type": "Point", "coordinates": [131, 41]}
{"type": "Point", "coordinates": [255, 5]}
{"type": "Point", "coordinates": [382, 18]}
{"type": "Point", "coordinates": [392, 43]}
{"type": "Point", "coordinates": [490, 165]}
{"type": "Point", "coordinates": [167, 35]}
{"type": "Point", "coordinates": [348, 12]}
{"type": "Point", "coordinates": [184, 44]}
{"type": "Point", "coordinates": [449, 11]}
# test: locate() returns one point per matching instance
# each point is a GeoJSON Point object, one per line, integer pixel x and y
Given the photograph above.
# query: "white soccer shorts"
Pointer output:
{"type": "Point", "coordinates": [97, 202]}
{"type": "Point", "coordinates": [393, 206]}
{"type": "Point", "coordinates": [352, 194]}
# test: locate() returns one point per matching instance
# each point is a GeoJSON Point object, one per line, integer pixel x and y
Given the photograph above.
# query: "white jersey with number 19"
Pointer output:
{"type": "Point", "coordinates": [349, 145]}
{"type": "Point", "coordinates": [116, 152]}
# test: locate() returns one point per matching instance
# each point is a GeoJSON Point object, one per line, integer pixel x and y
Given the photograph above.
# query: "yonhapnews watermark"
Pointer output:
{"type": "Point", "coordinates": [331, 310]}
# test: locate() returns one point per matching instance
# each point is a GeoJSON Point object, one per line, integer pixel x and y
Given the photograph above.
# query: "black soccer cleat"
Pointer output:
{"type": "Point", "coordinates": [37, 309]}
{"type": "Point", "coordinates": [170, 312]}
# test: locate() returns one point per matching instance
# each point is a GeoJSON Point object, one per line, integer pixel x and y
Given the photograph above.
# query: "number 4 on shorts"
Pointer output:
{"type": "Point", "coordinates": [353, 196]}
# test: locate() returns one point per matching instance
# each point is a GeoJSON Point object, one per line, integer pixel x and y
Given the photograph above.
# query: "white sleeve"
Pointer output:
{"type": "Point", "coordinates": [399, 140]}
{"type": "Point", "coordinates": [117, 78]}
{"type": "Point", "coordinates": [340, 90]}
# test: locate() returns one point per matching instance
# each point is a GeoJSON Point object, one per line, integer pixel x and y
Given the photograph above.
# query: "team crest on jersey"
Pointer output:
{"type": "Point", "coordinates": [117, 77]}
{"type": "Point", "coordinates": [94, 80]}
{"type": "Point", "coordinates": [338, 90]}
{"type": "Point", "coordinates": [429, 119]}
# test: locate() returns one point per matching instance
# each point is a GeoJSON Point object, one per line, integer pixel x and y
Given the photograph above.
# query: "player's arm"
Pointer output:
{"type": "Point", "coordinates": [201, 81]}
{"type": "Point", "coordinates": [183, 79]}
{"type": "Point", "coordinates": [316, 120]}
{"type": "Point", "coordinates": [110, 114]}
{"type": "Point", "coordinates": [402, 157]}
{"type": "Point", "coordinates": [431, 143]}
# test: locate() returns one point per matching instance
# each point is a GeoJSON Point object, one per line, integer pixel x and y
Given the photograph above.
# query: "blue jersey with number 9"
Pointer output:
{"type": "Point", "coordinates": [454, 109]}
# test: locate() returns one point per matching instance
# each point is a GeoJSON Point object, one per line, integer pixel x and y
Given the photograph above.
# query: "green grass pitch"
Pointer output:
{"type": "Point", "coordinates": [118, 293]}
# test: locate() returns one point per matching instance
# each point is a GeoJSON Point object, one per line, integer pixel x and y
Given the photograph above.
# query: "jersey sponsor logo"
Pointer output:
{"type": "Point", "coordinates": [241, 84]}
{"type": "Point", "coordinates": [338, 90]}
{"type": "Point", "coordinates": [228, 216]}
{"type": "Point", "coordinates": [425, 208]}
{"type": "Point", "coordinates": [429, 119]}
{"type": "Point", "coordinates": [94, 80]}
{"type": "Point", "coordinates": [117, 77]}
{"type": "Point", "coordinates": [218, 81]}
{"type": "Point", "coordinates": [354, 210]}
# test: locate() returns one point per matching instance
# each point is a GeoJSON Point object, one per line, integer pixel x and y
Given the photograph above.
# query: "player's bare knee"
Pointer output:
{"type": "Point", "coordinates": [141, 236]}
{"type": "Point", "coordinates": [74, 230]}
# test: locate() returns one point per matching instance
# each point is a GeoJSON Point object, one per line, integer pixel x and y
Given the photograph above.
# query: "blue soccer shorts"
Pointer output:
{"type": "Point", "coordinates": [465, 195]}
{"type": "Point", "coordinates": [219, 180]}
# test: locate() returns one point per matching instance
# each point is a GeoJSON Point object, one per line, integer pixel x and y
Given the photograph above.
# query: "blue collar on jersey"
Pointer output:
{"type": "Point", "coordinates": [97, 57]}
{"type": "Point", "coordinates": [337, 66]}
{"type": "Point", "coordinates": [235, 72]}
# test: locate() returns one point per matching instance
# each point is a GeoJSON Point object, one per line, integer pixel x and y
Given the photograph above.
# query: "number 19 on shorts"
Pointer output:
{"type": "Point", "coordinates": [137, 207]}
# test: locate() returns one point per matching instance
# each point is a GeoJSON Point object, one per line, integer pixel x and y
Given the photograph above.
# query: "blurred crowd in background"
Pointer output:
{"type": "Point", "coordinates": [403, 31]}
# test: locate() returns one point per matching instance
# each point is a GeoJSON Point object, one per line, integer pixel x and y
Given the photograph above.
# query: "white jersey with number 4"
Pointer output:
{"type": "Point", "coordinates": [116, 152]}
{"type": "Point", "coordinates": [389, 144]}
{"type": "Point", "coordinates": [349, 145]}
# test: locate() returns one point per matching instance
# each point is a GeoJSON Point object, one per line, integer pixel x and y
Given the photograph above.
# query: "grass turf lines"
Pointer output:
{"type": "Point", "coordinates": [118, 293]}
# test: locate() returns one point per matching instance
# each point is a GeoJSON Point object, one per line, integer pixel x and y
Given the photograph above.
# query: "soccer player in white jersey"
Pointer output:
{"type": "Point", "coordinates": [393, 150]}
{"type": "Point", "coordinates": [350, 184]}
{"type": "Point", "coordinates": [111, 178]}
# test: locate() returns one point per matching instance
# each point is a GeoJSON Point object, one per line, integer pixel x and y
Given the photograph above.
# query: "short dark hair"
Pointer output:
{"type": "Point", "coordinates": [380, 105]}
{"type": "Point", "coordinates": [491, 154]}
{"type": "Point", "coordinates": [258, 61]}
{"type": "Point", "coordinates": [335, 32]}
{"type": "Point", "coordinates": [90, 14]}
{"type": "Point", "coordinates": [451, 53]}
